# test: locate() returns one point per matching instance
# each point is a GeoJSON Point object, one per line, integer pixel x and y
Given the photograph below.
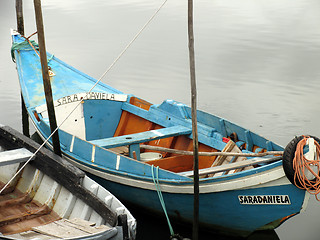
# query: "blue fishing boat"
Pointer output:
{"type": "Point", "coordinates": [137, 149]}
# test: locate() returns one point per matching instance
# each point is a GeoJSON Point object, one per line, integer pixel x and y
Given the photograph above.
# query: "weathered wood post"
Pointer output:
{"type": "Point", "coordinates": [20, 27]}
{"type": "Point", "coordinates": [19, 12]}
{"type": "Point", "coordinates": [46, 78]}
{"type": "Point", "coordinates": [195, 231]}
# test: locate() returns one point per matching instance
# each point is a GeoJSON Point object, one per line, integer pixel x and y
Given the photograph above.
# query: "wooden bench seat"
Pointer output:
{"type": "Point", "coordinates": [14, 156]}
{"type": "Point", "coordinates": [133, 140]}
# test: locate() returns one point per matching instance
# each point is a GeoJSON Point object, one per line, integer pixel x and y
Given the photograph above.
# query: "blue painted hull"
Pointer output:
{"type": "Point", "coordinates": [218, 211]}
{"type": "Point", "coordinates": [241, 202]}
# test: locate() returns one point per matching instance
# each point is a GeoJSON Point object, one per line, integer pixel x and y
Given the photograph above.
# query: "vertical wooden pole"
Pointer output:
{"type": "Point", "coordinates": [20, 27]}
{"type": "Point", "coordinates": [195, 231]}
{"type": "Point", "coordinates": [19, 12]}
{"type": "Point", "coordinates": [46, 78]}
{"type": "Point", "coordinates": [25, 118]}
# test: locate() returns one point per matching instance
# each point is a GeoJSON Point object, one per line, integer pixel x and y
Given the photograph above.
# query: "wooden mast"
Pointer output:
{"type": "Point", "coordinates": [195, 231]}
{"type": "Point", "coordinates": [46, 78]}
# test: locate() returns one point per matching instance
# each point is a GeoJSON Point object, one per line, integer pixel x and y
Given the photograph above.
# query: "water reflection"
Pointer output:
{"type": "Point", "coordinates": [148, 228]}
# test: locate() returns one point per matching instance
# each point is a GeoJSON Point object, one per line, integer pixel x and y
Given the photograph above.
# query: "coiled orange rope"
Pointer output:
{"type": "Point", "coordinates": [301, 165]}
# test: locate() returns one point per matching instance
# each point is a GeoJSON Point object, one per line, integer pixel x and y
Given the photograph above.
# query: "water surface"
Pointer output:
{"type": "Point", "coordinates": [256, 62]}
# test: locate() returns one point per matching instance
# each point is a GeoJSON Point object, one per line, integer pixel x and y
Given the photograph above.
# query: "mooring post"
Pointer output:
{"type": "Point", "coordinates": [46, 78]}
{"type": "Point", "coordinates": [19, 12]}
{"type": "Point", "coordinates": [195, 231]}
{"type": "Point", "coordinates": [20, 28]}
{"type": "Point", "coordinates": [25, 118]}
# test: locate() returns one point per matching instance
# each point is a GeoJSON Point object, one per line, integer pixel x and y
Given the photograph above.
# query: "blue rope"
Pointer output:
{"type": "Point", "coordinates": [156, 183]}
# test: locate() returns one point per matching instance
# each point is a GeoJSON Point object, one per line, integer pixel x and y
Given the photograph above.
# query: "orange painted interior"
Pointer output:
{"type": "Point", "coordinates": [130, 124]}
{"type": "Point", "coordinates": [140, 103]}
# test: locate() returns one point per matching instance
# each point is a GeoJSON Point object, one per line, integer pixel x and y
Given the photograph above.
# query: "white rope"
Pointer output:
{"type": "Point", "coordinates": [102, 76]}
{"type": "Point", "coordinates": [130, 43]}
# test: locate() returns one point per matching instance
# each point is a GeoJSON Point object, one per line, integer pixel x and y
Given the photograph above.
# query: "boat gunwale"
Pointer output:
{"type": "Point", "coordinates": [217, 178]}
{"type": "Point", "coordinates": [184, 186]}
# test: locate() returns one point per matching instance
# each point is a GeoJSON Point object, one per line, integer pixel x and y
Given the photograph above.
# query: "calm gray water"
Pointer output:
{"type": "Point", "coordinates": [256, 61]}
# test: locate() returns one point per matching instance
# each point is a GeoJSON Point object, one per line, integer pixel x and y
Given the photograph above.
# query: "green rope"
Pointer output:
{"type": "Point", "coordinates": [49, 59]}
{"type": "Point", "coordinates": [156, 183]}
{"type": "Point", "coordinates": [22, 46]}
{"type": "Point", "coordinates": [25, 46]}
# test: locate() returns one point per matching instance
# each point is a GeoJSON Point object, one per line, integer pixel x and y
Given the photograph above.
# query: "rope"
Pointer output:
{"type": "Point", "coordinates": [301, 165]}
{"type": "Point", "coordinates": [130, 43]}
{"type": "Point", "coordinates": [23, 166]}
{"type": "Point", "coordinates": [156, 183]}
{"type": "Point", "coordinates": [25, 45]}
{"type": "Point", "coordinates": [50, 58]}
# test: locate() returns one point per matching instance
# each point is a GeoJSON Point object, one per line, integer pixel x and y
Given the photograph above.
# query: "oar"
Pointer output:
{"type": "Point", "coordinates": [183, 152]}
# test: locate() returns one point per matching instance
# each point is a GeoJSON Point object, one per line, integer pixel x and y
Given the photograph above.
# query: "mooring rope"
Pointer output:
{"type": "Point", "coordinates": [163, 205]}
{"type": "Point", "coordinates": [301, 165]}
{"type": "Point", "coordinates": [25, 164]}
{"type": "Point", "coordinates": [134, 38]}
{"type": "Point", "coordinates": [25, 45]}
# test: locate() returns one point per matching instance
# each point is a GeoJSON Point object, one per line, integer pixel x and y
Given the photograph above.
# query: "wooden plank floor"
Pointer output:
{"type": "Point", "coordinates": [19, 213]}
{"type": "Point", "coordinates": [65, 228]}
{"type": "Point", "coordinates": [62, 229]}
